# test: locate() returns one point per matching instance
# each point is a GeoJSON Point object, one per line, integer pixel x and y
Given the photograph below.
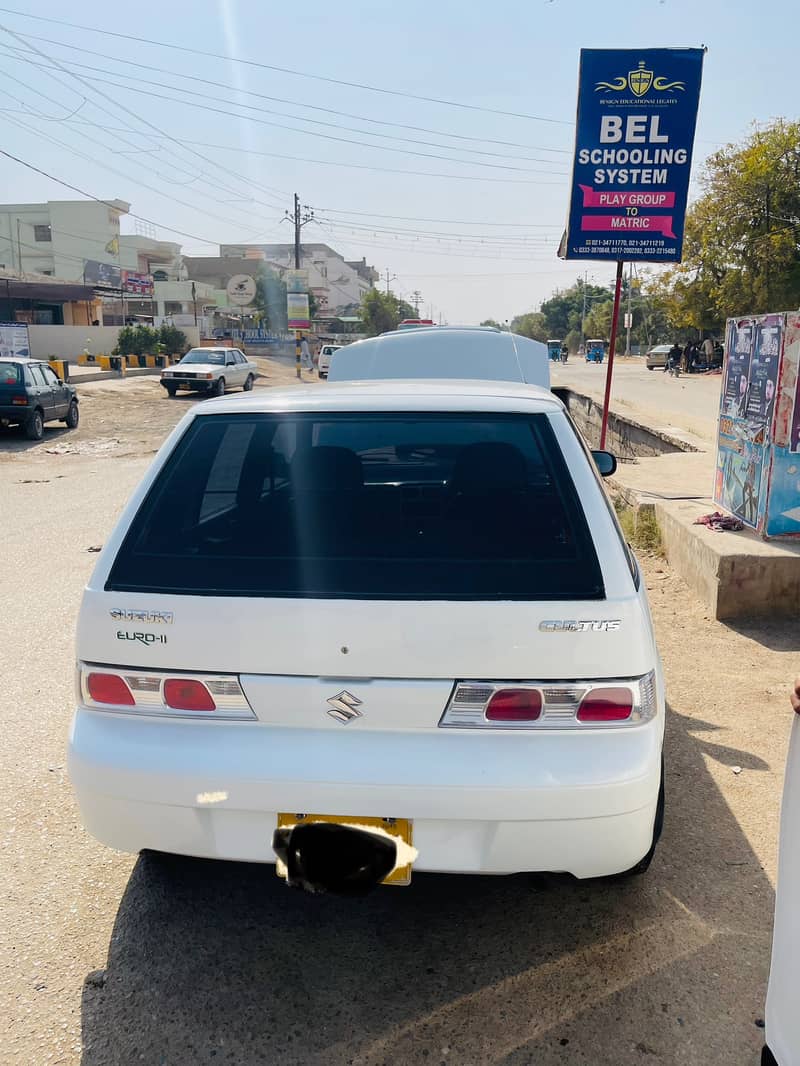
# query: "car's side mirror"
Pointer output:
{"type": "Point", "coordinates": [606, 462]}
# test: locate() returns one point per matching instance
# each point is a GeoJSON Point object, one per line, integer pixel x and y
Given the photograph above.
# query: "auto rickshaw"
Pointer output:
{"type": "Point", "coordinates": [554, 350]}
{"type": "Point", "coordinates": [595, 350]}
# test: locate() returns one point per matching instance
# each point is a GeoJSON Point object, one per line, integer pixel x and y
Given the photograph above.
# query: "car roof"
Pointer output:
{"type": "Point", "coordinates": [23, 359]}
{"type": "Point", "coordinates": [390, 395]}
{"type": "Point", "coordinates": [444, 352]}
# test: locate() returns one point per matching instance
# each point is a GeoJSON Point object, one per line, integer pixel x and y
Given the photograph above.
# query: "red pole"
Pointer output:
{"type": "Point", "coordinates": [612, 345]}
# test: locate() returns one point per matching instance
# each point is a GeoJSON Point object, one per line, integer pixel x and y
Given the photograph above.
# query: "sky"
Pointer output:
{"type": "Point", "coordinates": [456, 202]}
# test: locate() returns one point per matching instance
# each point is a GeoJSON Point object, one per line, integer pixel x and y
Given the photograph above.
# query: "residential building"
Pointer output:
{"type": "Point", "coordinates": [335, 282]}
{"type": "Point", "coordinates": [40, 300]}
{"type": "Point", "coordinates": [162, 260]}
{"type": "Point", "coordinates": [60, 237]}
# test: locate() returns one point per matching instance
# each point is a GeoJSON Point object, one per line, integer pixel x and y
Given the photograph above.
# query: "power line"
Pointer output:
{"type": "Point", "coordinates": [287, 70]}
{"type": "Point", "coordinates": [114, 103]}
{"type": "Point", "coordinates": [295, 103]}
{"type": "Point", "coordinates": [293, 129]}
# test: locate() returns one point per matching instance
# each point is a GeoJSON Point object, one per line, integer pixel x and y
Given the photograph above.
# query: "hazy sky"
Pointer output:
{"type": "Point", "coordinates": [478, 199]}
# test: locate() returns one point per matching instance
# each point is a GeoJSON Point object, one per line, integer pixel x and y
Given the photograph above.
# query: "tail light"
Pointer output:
{"type": "Point", "coordinates": [154, 692]}
{"type": "Point", "coordinates": [19, 401]}
{"type": "Point", "coordinates": [551, 705]}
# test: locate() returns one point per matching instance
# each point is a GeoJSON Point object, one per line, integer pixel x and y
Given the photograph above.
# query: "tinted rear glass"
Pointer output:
{"type": "Point", "coordinates": [376, 506]}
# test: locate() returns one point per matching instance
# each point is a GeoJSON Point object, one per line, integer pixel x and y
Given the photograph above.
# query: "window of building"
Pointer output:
{"type": "Point", "coordinates": [42, 233]}
{"type": "Point", "coordinates": [173, 307]}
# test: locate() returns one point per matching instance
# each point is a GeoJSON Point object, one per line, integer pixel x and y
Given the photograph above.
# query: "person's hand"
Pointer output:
{"type": "Point", "coordinates": [795, 697]}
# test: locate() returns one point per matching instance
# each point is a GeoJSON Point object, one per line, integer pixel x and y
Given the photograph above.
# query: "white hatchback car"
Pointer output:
{"type": "Point", "coordinates": [398, 605]}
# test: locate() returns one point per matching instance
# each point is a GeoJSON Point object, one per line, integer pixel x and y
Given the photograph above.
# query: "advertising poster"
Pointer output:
{"type": "Point", "coordinates": [296, 280]}
{"type": "Point", "coordinates": [739, 468]}
{"type": "Point", "coordinates": [14, 342]}
{"type": "Point", "coordinates": [763, 380]}
{"type": "Point", "coordinates": [784, 496]}
{"type": "Point", "coordinates": [297, 311]}
{"type": "Point", "coordinates": [104, 275]}
{"type": "Point", "coordinates": [739, 347]}
{"type": "Point", "coordinates": [136, 284]}
{"type": "Point", "coordinates": [637, 110]}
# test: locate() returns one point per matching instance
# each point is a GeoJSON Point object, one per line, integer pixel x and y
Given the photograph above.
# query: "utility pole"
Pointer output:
{"type": "Point", "coordinates": [388, 279]}
{"type": "Point", "coordinates": [300, 216]}
{"type": "Point", "coordinates": [416, 298]}
{"type": "Point", "coordinates": [19, 248]}
{"type": "Point", "coordinates": [583, 312]}
{"type": "Point", "coordinates": [628, 318]}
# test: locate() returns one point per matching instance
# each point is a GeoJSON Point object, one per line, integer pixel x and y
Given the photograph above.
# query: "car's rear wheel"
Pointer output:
{"type": "Point", "coordinates": [248, 385]}
{"type": "Point", "coordinates": [219, 387]}
{"type": "Point", "coordinates": [650, 367]}
{"type": "Point", "coordinates": [34, 427]}
{"type": "Point", "coordinates": [171, 390]}
{"type": "Point", "coordinates": [73, 416]}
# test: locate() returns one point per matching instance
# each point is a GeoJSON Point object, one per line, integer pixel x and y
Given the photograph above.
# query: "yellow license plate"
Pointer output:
{"type": "Point", "coordinates": [401, 828]}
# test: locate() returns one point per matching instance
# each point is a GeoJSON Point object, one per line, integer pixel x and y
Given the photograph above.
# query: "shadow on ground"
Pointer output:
{"type": "Point", "coordinates": [221, 963]}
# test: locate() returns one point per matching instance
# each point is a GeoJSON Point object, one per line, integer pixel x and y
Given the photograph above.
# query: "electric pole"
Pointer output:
{"type": "Point", "coordinates": [628, 318]}
{"type": "Point", "coordinates": [583, 312]}
{"type": "Point", "coordinates": [388, 279]}
{"type": "Point", "coordinates": [416, 298]}
{"type": "Point", "coordinates": [300, 217]}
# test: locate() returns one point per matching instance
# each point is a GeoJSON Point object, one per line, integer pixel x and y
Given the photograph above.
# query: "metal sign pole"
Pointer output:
{"type": "Point", "coordinates": [612, 345]}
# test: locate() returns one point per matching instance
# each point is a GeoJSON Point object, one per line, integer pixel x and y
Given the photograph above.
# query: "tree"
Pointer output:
{"type": "Point", "coordinates": [493, 323]}
{"type": "Point", "coordinates": [530, 325]}
{"type": "Point", "coordinates": [381, 312]}
{"type": "Point", "coordinates": [563, 311]}
{"type": "Point", "coordinates": [742, 240]}
{"type": "Point", "coordinates": [270, 300]}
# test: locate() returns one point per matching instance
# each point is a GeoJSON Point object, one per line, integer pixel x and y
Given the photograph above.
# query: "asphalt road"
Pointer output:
{"type": "Point", "coordinates": [114, 959]}
{"type": "Point", "coordinates": [689, 403]}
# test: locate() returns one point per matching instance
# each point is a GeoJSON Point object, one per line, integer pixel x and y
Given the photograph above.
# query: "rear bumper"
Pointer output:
{"type": "Point", "coordinates": [478, 805]}
{"type": "Point", "coordinates": [17, 413]}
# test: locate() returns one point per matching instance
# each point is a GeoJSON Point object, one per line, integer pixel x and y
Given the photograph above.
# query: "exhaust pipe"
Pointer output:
{"type": "Point", "coordinates": [323, 857]}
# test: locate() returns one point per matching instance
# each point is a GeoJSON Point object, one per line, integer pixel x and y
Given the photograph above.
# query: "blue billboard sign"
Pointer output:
{"type": "Point", "coordinates": [637, 111]}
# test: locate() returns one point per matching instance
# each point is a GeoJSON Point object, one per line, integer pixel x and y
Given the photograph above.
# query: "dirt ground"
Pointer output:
{"type": "Point", "coordinates": [111, 959]}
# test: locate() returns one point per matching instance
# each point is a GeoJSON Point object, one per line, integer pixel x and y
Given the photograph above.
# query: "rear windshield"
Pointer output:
{"type": "Point", "coordinates": [378, 506]}
{"type": "Point", "coordinates": [10, 374]}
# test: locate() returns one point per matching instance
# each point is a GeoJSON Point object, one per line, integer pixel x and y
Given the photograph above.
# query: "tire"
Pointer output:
{"type": "Point", "coordinates": [219, 387]}
{"type": "Point", "coordinates": [644, 864]}
{"type": "Point", "coordinates": [171, 390]}
{"type": "Point", "coordinates": [248, 385]}
{"type": "Point", "coordinates": [34, 427]}
{"type": "Point", "coordinates": [651, 368]}
{"type": "Point", "coordinates": [73, 416]}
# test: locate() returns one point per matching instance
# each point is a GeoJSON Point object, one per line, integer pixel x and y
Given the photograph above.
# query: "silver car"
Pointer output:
{"type": "Point", "coordinates": [211, 370]}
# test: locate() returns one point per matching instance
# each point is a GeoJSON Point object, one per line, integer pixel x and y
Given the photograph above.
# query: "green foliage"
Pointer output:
{"type": "Point", "coordinates": [742, 244]}
{"type": "Point", "coordinates": [562, 312]}
{"type": "Point", "coordinates": [491, 322]}
{"type": "Point", "coordinates": [531, 325]}
{"type": "Point", "coordinates": [270, 300]}
{"type": "Point", "coordinates": [640, 527]}
{"type": "Point", "coordinates": [171, 340]}
{"type": "Point", "coordinates": [381, 312]}
{"type": "Point", "coordinates": [137, 340]}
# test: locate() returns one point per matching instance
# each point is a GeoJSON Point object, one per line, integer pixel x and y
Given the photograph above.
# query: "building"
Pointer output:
{"type": "Point", "coordinates": [162, 260]}
{"type": "Point", "coordinates": [335, 282]}
{"type": "Point", "coordinates": [40, 300]}
{"type": "Point", "coordinates": [68, 239]}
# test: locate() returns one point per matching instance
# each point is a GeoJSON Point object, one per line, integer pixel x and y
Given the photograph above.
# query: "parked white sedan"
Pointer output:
{"type": "Point", "coordinates": [211, 370]}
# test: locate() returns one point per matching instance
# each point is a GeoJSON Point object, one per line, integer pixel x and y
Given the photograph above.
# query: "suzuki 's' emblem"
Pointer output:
{"type": "Point", "coordinates": [344, 707]}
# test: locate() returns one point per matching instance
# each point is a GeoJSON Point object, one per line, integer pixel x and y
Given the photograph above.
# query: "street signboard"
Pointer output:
{"type": "Point", "coordinates": [14, 343]}
{"type": "Point", "coordinates": [241, 289]}
{"type": "Point", "coordinates": [136, 284]}
{"type": "Point", "coordinates": [103, 275]}
{"type": "Point", "coordinates": [297, 311]}
{"type": "Point", "coordinates": [637, 111]}
{"type": "Point", "coordinates": [296, 280]}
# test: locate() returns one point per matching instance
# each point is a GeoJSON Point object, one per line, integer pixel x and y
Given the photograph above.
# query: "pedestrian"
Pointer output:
{"type": "Point", "coordinates": [686, 357]}
{"type": "Point", "coordinates": [564, 352]}
{"type": "Point", "coordinates": [708, 352]}
{"type": "Point", "coordinates": [305, 354]}
{"type": "Point", "coordinates": [581, 351]}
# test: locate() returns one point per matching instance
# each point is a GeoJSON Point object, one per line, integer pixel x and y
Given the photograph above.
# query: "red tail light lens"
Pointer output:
{"type": "Point", "coordinates": [606, 705]}
{"type": "Point", "coordinates": [185, 694]}
{"type": "Point", "coordinates": [109, 688]}
{"type": "Point", "coordinates": [514, 705]}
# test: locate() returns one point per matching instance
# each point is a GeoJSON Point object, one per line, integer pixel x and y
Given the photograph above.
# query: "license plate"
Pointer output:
{"type": "Point", "coordinates": [400, 828]}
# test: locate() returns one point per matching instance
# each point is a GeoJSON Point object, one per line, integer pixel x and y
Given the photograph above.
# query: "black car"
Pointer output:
{"type": "Point", "coordinates": [31, 394]}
